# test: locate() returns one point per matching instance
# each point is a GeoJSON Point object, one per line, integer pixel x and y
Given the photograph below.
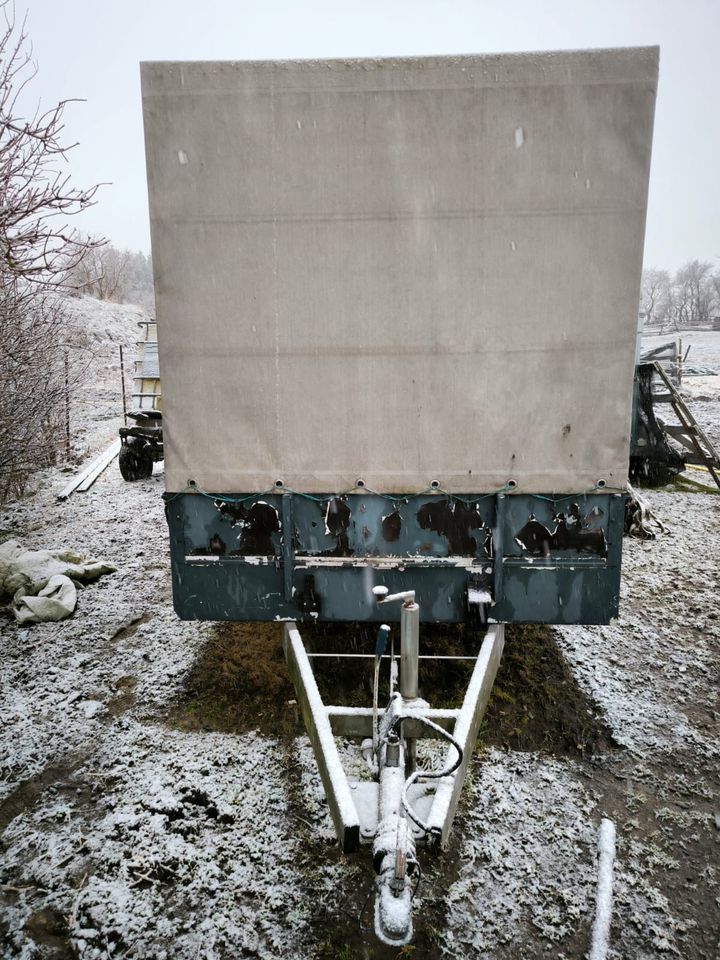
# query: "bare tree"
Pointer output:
{"type": "Point", "coordinates": [694, 293]}
{"type": "Point", "coordinates": [656, 294]}
{"type": "Point", "coordinates": [690, 298]}
{"type": "Point", "coordinates": [37, 247]}
{"type": "Point", "coordinates": [715, 294]}
{"type": "Point", "coordinates": [109, 273]}
{"type": "Point", "coordinates": [103, 273]}
{"type": "Point", "coordinates": [33, 387]}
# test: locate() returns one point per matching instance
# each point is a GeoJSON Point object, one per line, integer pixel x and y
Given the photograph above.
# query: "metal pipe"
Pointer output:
{"type": "Point", "coordinates": [385, 656]}
{"type": "Point", "coordinates": [67, 407]}
{"type": "Point", "coordinates": [382, 596]}
{"type": "Point", "coordinates": [603, 905]}
{"type": "Point", "coordinates": [409, 649]}
{"type": "Point", "coordinates": [122, 382]}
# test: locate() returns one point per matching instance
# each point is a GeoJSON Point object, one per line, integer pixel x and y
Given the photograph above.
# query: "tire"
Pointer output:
{"type": "Point", "coordinates": [135, 461]}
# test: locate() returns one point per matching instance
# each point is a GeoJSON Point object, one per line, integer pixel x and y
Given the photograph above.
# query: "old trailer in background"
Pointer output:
{"type": "Point", "coordinates": [141, 445]}
{"type": "Point", "coordinates": [660, 450]}
{"type": "Point", "coordinates": [397, 306]}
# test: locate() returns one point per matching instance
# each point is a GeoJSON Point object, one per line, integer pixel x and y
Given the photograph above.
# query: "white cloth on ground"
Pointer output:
{"type": "Point", "coordinates": [42, 582]}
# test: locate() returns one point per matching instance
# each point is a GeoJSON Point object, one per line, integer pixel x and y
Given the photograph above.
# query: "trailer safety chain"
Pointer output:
{"type": "Point", "coordinates": [366, 901]}
{"type": "Point", "coordinates": [387, 721]}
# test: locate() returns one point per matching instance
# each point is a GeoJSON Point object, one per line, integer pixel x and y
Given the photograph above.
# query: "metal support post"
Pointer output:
{"type": "Point", "coordinates": [409, 660]}
{"type": "Point", "coordinates": [409, 649]}
{"type": "Point", "coordinates": [122, 385]}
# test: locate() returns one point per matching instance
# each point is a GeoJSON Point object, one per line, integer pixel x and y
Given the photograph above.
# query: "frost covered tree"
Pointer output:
{"type": "Point", "coordinates": [37, 248]}
{"type": "Point", "coordinates": [690, 298]}
{"type": "Point", "coordinates": [656, 294]}
{"type": "Point", "coordinates": [694, 293]}
{"type": "Point", "coordinates": [102, 273]}
{"type": "Point", "coordinates": [109, 273]}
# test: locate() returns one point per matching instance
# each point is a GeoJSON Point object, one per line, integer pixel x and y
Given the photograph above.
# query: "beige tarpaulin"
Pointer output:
{"type": "Point", "coordinates": [399, 270]}
{"type": "Point", "coordinates": [40, 582]}
{"type": "Point", "coordinates": [56, 601]}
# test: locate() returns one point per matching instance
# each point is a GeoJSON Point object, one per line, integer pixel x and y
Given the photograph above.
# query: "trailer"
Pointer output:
{"type": "Point", "coordinates": [141, 445]}
{"type": "Point", "coordinates": [397, 305]}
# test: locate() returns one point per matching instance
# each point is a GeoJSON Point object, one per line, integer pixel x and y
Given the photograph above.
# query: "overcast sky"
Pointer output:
{"type": "Point", "coordinates": [91, 49]}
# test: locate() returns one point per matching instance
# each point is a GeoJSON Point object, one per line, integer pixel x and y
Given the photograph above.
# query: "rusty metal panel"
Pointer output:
{"type": "Point", "coordinates": [536, 559]}
{"type": "Point", "coordinates": [400, 270]}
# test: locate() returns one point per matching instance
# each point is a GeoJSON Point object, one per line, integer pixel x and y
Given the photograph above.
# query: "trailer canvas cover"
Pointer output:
{"type": "Point", "coordinates": [403, 270]}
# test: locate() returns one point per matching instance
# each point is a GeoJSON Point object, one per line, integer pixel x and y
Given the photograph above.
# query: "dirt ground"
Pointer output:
{"type": "Point", "coordinates": [159, 799]}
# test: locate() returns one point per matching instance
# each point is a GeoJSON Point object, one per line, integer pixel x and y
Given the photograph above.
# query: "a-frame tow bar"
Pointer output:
{"type": "Point", "coordinates": [401, 805]}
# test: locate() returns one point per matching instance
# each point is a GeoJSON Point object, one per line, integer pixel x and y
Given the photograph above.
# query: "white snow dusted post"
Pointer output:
{"type": "Point", "coordinates": [603, 902]}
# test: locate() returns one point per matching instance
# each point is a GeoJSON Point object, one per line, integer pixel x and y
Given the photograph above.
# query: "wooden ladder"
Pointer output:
{"type": "Point", "coordinates": [690, 434]}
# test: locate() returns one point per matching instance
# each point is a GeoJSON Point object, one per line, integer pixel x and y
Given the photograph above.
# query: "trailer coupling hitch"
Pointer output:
{"type": "Point", "coordinates": [395, 864]}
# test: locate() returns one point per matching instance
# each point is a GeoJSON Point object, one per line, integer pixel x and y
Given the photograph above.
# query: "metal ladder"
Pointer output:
{"type": "Point", "coordinates": [690, 434]}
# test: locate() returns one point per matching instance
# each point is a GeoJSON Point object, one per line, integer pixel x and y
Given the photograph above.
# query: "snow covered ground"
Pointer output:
{"type": "Point", "coordinates": [124, 836]}
{"type": "Point", "coordinates": [101, 328]}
